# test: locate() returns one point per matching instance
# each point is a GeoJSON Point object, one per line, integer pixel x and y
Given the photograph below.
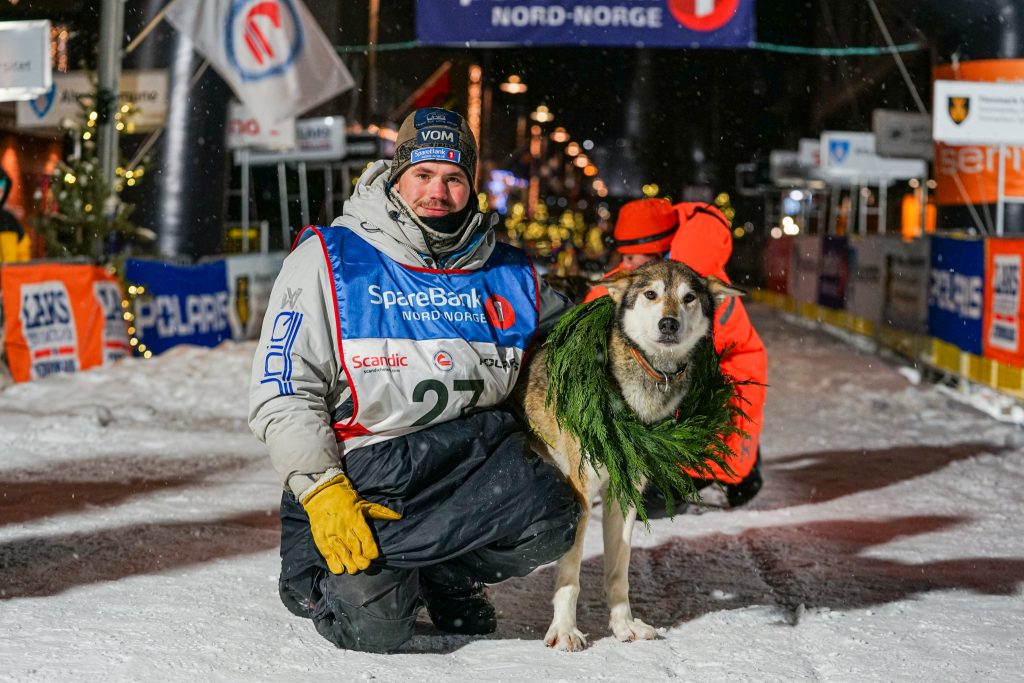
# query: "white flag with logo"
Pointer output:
{"type": "Point", "coordinates": [271, 52]}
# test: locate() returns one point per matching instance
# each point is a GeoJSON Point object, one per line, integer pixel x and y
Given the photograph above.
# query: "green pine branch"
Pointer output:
{"type": "Point", "coordinates": [611, 435]}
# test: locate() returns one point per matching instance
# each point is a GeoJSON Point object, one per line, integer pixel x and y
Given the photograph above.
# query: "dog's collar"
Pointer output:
{"type": "Point", "coordinates": [657, 375]}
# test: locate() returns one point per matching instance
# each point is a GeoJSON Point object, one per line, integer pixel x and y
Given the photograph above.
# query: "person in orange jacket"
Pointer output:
{"type": "Point", "coordinates": [699, 235]}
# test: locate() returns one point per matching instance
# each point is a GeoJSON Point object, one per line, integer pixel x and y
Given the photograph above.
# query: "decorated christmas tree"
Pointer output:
{"type": "Point", "coordinates": [79, 213]}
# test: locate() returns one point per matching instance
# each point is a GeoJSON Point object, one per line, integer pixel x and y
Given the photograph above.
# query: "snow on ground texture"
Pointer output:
{"type": "Point", "coordinates": [138, 541]}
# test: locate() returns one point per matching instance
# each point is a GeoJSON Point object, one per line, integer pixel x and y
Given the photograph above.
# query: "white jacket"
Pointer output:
{"type": "Point", "coordinates": [297, 425]}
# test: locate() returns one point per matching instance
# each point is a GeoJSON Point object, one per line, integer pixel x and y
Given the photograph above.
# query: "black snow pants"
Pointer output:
{"type": "Point", "coordinates": [476, 504]}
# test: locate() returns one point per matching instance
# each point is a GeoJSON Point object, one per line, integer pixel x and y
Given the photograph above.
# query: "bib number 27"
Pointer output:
{"type": "Point", "coordinates": [439, 393]}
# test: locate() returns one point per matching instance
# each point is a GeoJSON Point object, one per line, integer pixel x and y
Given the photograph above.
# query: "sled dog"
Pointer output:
{"type": "Point", "coordinates": [662, 311]}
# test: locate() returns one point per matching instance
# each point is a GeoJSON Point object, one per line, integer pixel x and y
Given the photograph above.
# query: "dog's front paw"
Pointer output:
{"type": "Point", "coordinates": [565, 637]}
{"type": "Point", "coordinates": [632, 629]}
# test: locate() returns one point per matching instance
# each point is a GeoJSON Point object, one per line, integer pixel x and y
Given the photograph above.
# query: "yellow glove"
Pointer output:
{"type": "Point", "coordinates": [340, 531]}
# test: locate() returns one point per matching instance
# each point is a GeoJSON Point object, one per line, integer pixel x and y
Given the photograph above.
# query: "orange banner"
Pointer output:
{"type": "Point", "coordinates": [1001, 323]}
{"type": "Point", "coordinates": [970, 174]}
{"type": "Point", "coordinates": [61, 318]}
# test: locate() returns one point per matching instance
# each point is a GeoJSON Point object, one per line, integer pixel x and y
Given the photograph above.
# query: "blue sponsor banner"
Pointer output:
{"type": "Point", "coordinates": [606, 23]}
{"type": "Point", "coordinates": [180, 304]}
{"type": "Point", "coordinates": [956, 289]}
{"type": "Point", "coordinates": [834, 273]}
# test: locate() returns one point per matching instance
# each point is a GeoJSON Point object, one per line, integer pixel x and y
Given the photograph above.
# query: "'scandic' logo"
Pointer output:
{"type": "Point", "coordinates": [443, 360]}
{"type": "Point", "coordinates": [703, 15]}
{"type": "Point", "coordinates": [262, 37]}
{"type": "Point", "coordinates": [499, 312]}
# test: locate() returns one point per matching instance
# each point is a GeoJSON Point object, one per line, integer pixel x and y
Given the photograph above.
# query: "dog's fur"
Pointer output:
{"type": "Point", "coordinates": [662, 310]}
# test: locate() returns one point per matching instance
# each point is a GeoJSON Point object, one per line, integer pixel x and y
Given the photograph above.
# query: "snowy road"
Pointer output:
{"type": "Point", "coordinates": [138, 541]}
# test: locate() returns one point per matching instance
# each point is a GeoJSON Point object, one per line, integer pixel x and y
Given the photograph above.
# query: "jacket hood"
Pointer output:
{"type": "Point", "coordinates": [703, 240]}
{"type": "Point", "coordinates": [383, 219]}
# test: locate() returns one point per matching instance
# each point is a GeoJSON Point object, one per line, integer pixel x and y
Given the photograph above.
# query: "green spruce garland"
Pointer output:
{"type": "Point", "coordinates": [610, 433]}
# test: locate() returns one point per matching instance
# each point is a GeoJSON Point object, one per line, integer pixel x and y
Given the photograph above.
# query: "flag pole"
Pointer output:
{"type": "Point", "coordinates": [109, 77]}
{"type": "Point", "coordinates": [148, 28]}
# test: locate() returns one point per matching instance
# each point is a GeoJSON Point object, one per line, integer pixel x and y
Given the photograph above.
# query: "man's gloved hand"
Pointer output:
{"type": "Point", "coordinates": [337, 518]}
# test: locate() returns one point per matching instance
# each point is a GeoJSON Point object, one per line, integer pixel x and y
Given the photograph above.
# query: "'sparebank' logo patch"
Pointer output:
{"type": "Point", "coordinates": [452, 156]}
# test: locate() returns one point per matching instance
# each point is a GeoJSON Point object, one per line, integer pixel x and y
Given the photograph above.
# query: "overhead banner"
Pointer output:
{"type": "Point", "coordinates": [1002, 319]}
{"type": "Point", "coordinates": [956, 292]}
{"type": "Point", "coordinates": [25, 69]}
{"type": "Point", "coordinates": [976, 113]}
{"type": "Point", "coordinates": [143, 89]}
{"type": "Point", "coordinates": [61, 318]}
{"type": "Point", "coordinates": [604, 23]}
{"type": "Point", "coordinates": [181, 304]}
{"type": "Point", "coordinates": [852, 156]}
{"type": "Point", "coordinates": [969, 174]}
{"type": "Point", "coordinates": [902, 134]}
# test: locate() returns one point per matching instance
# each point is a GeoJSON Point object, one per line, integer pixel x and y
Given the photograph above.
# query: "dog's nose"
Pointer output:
{"type": "Point", "coordinates": [668, 325]}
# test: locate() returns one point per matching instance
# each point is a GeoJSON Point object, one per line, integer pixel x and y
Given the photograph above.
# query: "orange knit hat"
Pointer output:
{"type": "Point", "coordinates": [645, 226]}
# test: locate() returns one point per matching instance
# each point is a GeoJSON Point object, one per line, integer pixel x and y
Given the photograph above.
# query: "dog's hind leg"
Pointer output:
{"type": "Point", "coordinates": [563, 634]}
{"type": "Point", "coordinates": [618, 530]}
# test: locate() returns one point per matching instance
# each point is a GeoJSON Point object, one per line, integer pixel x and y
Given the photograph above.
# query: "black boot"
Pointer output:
{"type": "Point", "coordinates": [464, 609]}
{"type": "Point", "coordinates": [742, 493]}
{"type": "Point", "coordinates": [300, 594]}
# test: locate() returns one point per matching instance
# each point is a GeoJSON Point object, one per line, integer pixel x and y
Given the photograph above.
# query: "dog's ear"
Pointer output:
{"type": "Point", "coordinates": [617, 284]}
{"type": "Point", "coordinates": [721, 291]}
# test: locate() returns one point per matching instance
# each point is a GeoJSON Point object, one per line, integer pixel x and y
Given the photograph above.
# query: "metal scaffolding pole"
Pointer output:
{"type": "Point", "coordinates": [109, 77]}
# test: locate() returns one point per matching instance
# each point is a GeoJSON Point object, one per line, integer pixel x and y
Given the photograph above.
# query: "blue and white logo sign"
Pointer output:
{"type": "Point", "coordinates": [838, 150]}
{"type": "Point", "coordinates": [262, 37]}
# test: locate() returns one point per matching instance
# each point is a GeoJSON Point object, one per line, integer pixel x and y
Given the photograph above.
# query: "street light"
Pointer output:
{"type": "Point", "coordinates": [542, 114]}
{"type": "Point", "coordinates": [513, 86]}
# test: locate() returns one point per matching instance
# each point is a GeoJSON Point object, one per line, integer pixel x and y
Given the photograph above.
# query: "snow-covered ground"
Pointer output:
{"type": "Point", "coordinates": [138, 541]}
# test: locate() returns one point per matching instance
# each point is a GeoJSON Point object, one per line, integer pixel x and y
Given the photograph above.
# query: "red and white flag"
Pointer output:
{"type": "Point", "coordinates": [271, 52]}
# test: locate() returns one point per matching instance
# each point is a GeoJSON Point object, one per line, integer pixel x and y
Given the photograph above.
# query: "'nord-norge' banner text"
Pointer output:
{"type": "Point", "coordinates": [608, 23]}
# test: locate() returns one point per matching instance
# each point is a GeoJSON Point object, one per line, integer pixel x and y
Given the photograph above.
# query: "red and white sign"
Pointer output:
{"type": "Point", "coordinates": [499, 312]}
{"type": "Point", "coordinates": [703, 15]}
{"type": "Point", "coordinates": [246, 131]}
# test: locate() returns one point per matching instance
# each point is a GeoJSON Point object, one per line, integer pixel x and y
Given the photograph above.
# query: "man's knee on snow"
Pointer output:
{"type": "Point", "coordinates": [368, 612]}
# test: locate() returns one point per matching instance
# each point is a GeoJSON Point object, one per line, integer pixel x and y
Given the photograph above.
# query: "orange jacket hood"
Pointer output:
{"type": "Point", "coordinates": [704, 239]}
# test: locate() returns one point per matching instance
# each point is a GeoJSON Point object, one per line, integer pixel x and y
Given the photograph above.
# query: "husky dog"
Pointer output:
{"type": "Point", "coordinates": [662, 311]}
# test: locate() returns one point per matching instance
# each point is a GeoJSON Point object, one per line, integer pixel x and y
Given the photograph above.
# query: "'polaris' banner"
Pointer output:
{"type": "Point", "coordinates": [181, 304]}
{"type": "Point", "coordinates": [607, 23]}
{"type": "Point", "coordinates": [956, 292]}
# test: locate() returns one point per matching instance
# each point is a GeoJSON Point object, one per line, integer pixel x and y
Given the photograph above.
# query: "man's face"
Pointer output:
{"type": "Point", "coordinates": [634, 261]}
{"type": "Point", "coordinates": [434, 188]}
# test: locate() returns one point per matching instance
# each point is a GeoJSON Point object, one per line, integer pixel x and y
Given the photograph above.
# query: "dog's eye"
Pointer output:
{"type": "Point", "coordinates": [651, 294]}
{"type": "Point", "coordinates": [689, 298]}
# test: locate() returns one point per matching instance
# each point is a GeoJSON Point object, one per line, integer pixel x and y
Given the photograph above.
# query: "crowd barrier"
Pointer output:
{"type": "Point", "coordinates": [67, 317]}
{"type": "Point", "coordinates": [949, 302]}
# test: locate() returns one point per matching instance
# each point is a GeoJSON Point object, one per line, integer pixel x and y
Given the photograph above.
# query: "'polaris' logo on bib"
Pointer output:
{"type": "Point", "coordinates": [438, 297]}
